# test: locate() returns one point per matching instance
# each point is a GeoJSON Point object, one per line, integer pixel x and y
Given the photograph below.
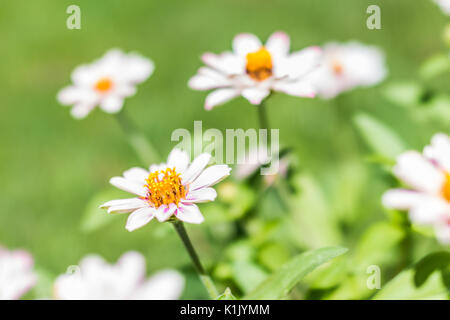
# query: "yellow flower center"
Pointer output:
{"type": "Point", "coordinates": [103, 85]}
{"type": "Point", "coordinates": [259, 64]}
{"type": "Point", "coordinates": [337, 67]}
{"type": "Point", "coordinates": [445, 191]}
{"type": "Point", "coordinates": [164, 187]}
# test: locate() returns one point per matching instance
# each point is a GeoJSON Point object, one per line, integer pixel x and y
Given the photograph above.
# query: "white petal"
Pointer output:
{"type": "Point", "coordinates": [139, 218]}
{"type": "Point", "coordinates": [429, 211]}
{"type": "Point", "coordinates": [111, 104]}
{"type": "Point", "coordinates": [207, 79]}
{"type": "Point", "coordinates": [158, 167]}
{"type": "Point", "coordinates": [165, 212]}
{"type": "Point", "coordinates": [255, 95]}
{"type": "Point", "coordinates": [443, 229]}
{"type": "Point", "coordinates": [71, 95]}
{"type": "Point", "coordinates": [299, 63]}
{"type": "Point", "coordinates": [138, 68]}
{"type": "Point", "coordinates": [131, 269]}
{"type": "Point", "coordinates": [226, 62]}
{"type": "Point", "coordinates": [179, 159]}
{"type": "Point", "coordinates": [278, 44]}
{"type": "Point", "coordinates": [211, 176]}
{"type": "Point", "coordinates": [81, 110]}
{"type": "Point", "coordinates": [189, 213]}
{"type": "Point", "coordinates": [439, 150]}
{"type": "Point", "coordinates": [165, 285]}
{"type": "Point", "coordinates": [419, 173]}
{"type": "Point", "coordinates": [129, 186]}
{"type": "Point", "coordinates": [129, 206]}
{"type": "Point", "coordinates": [200, 195]}
{"type": "Point", "coordinates": [137, 175]}
{"type": "Point", "coordinates": [401, 199]}
{"type": "Point", "coordinates": [220, 96]}
{"type": "Point", "coordinates": [196, 167]}
{"type": "Point", "coordinates": [296, 88]}
{"type": "Point", "coordinates": [245, 43]}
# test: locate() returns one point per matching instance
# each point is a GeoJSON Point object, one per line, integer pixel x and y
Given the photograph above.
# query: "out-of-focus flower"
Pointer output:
{"type": "Point", "coordinates": [16, 273]}
{"type": "Point", "coordinates": [105, 82]}
{"type": "Point", "coordinates": [444, 5]}
{"type": "Point", "coordinates": [347, 66]}
{"type": "Point", "coordinates": [95, 279]}
{"type": "Point", "coordinates": [253, 70]}
{"type": "Point", "coordinates": [168, 189]}
{"type": "Point", "coordinates": [428, 175]}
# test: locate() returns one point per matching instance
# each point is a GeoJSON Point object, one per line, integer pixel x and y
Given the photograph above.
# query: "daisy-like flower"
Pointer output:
{"type": "Point", "coordinates": [347, 66]}
{"type": "Point", "coordinates": [95, 279]}
{"type": "Point", "coordinates": [168, 189]}
{"type": "Point", "coordinates": [16, 273]}
{"type": "Point", "coordinates": [444, 5]}
{"type": "Point", "coordinates": [105, 82]}
{"type": "Point", "coordinates": [253, 70]}
{"type": "Point", "coordinates": [428, 175]}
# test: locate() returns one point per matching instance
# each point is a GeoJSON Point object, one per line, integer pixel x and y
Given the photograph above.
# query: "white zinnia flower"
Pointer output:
{"type": "Point", "coordinates": [168, 189]}
{"type": "Point", "coordinates": [253, 70]}
{"type": "Point", "coordinates": [16, 273]}
{"type": "Point", "coordinates": [346, 66]}
{"type": "Point", "coordinates": [428, 175]}
{"type": "Point", "coordinates": [105, 82]}
{"type": "Point", "coordinates": [95, 279]}
{"type": "Point", "coordinates": [444, 5]}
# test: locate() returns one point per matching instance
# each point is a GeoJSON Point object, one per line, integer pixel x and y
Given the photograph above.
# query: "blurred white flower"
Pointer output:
{"type": "Point", "coordinates": [347, 66]}
{"type": "Point", "coordinates": [98, 280]}
{"type": "Point", "coordinates": [428, 175]}
{"type": "Point", "coordinates": [444, 5]}
{"type": "Point", "coordinates": [168, 189]}
{"type": "Point", "coordinates": [105, 82]}
{"type": "Point", "coordinates": [16, 273]}
{"type": "Point", "coordinates": [253, 70]}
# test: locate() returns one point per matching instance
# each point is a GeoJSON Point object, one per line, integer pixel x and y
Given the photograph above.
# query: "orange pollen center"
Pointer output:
{"type": "Point", "coordinates": [103, 85]}
{"type": "Point", "coordinates": [445, 191]}
{"type": "Point", "coordinates": [337, 67]}
{"type": "Point", "coordinates": [164, 187]}
{"type": "Point", "coordinates": [259, 64]}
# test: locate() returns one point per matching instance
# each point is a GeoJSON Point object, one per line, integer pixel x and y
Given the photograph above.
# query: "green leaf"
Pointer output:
{"type": "Point", "coordinates": [248, 275]}
{"type": "Point", "coordinates": [432, 262]}
{"type": "Point", "coordinates": [380, 138]}
{"type": "Point", "coordinates": [405, 94]}
{"type": "Point", "coordinates": [280, 283]}
{"type": "Point", "coordinates": [435, 66]}
{"type": "Point", "coordinates": [402, 287]}
{"type": "Point", "coordinates": [227, 295]}
{"type": "Point", "coordinates": [94, 217]}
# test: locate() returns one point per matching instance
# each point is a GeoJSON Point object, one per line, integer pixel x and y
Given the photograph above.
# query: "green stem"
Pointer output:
{"type": "Point", "coordinates": [262, 117]}
{"type": "Point", "coordinates": [142, 146]}
{"type": "Point", "coordinates": [206, 280]}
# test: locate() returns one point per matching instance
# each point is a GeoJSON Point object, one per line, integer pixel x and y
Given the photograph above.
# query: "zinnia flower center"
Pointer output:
{"type": "Point", "coordinates": [445, 191]}
{"type": "Point", "coordinates": [259, 64]}
{"type": "Point", "coordinates": [164, 187]}
{"type": "Point", "coordinates": [103, 85]}
{"type": "Point", "coordinates": [337, 67]}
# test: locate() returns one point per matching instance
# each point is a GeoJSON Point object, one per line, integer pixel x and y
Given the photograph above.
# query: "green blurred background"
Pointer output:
{"type": "Point", "coordinates": [52, 166]}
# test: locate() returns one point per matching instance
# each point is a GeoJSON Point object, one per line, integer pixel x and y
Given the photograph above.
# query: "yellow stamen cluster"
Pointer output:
{"type": "Point", "coordinates": [259, 64]}
{"type": "Point", "coordinates": [445, 191]}
{"type": "Point", "coordinates": [164, 187]}
{"type": "Point", "coordinates": [337, 67]}
{"type": "Point", "coordinates": [103, 85]}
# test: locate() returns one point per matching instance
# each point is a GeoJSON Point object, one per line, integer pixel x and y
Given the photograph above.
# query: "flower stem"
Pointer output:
{"type": "Point", "coordinates": [206, 280]}
{"type": "Point", "coordinates": [262, 117]}
{"type": "Point", "coordinates": [142, 146]}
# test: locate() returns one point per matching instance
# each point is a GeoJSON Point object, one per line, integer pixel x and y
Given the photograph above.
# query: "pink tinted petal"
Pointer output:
{"type": "Point", "coordinates": [278, 44]}
{"type": "Point", "coordinates": [439, 150]}
{"type": "Point", "coordinates": [165, 212]}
